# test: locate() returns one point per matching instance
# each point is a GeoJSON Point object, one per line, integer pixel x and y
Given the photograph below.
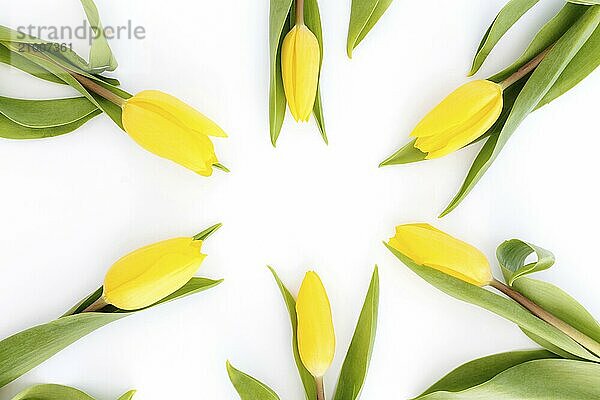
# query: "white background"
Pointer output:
{"type": "Point", "coordinates": [72, 205]}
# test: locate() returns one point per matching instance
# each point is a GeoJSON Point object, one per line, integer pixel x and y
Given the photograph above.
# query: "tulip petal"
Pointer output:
{"type": "Point", "coordinates": [187, 114]}
{"type": "Point", "coordinates": [428, 246]}
{"type": "Point", "coordinates": [460, 118]}
{"type": "Point", "coordinates": [300, 61]}
{"type": "Point", "coordinates": [151, 273]}
{"type": "Point", "coordinates": [316, 337]}
{"type": "Point", "coordinates": [162, 133]}
{"type": "Point", "coordinates": [288, 69]}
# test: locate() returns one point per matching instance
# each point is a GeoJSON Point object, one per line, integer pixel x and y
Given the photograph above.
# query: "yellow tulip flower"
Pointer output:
{"type": "Point", "coordinates": [430, 247]}
{"type": "Point", "coordinates": [169, 128]}
{"type": "Point", "coordinates": [300, 64]}
{"type": "Point", "coordinates": [462, 117]}
{"type": "Point", "coordinates": [152, 273]}
{"type": "Point", "coordinates": [316, 338]}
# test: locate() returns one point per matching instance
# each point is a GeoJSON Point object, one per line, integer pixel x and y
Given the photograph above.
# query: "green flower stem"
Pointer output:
{"type": "Point", "coordinates": [98, 89]}
{"type": "Point", "coordinates": [581, 338]}
{"type": "Point", "coordinates": [320, 388]}
{"type": "Point", "coordinates": [525, 69]}
{"type": "Point", "coordinates": [299, 12]}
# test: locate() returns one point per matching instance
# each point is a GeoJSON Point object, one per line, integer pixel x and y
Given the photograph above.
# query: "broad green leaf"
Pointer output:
{"type": "Point", "coordinates": [507, 17]}
{"type": "Point", "coordinates": [26, 350]}
{"type": "Point", "coordinates": [12, 130]}
{"type": "Point", "coordinates": [586, 2]}
{"type": "Point", "coordinates": [17, 40]}
{"type": "Point", "coordinates": [59, 392]}
{"type": "Point", "coordinates": [549, 346]}
{"type": "Point", "coordinates": [279, 26]}
{"type": "Point", "coordinates": [46, 113]}
{"type": "Point", "coordinates": [101, 57]}
{"type": "Point", "coordinates": [59, 71]}
{"type": "Point", "coordinates": [52, 392]}
{"type": "Point", "coordinates": [363, 17]}
{"type": "Point", "coordinates": [17, 61]}
{"type": "Point", "coordinates": [535, 380]}
{"type": "Point", "coordinates": [128, 396]}
{"type": "Point", "coordinates": [534, 91]}
{"type": "Point", "coordinates": [312, 19]}
{"type": "Point", "coordinates": [512, 255]}
{"type": "Point", "coordinates": [548, 34]}
{"type": "Point", "coordinates": [483, 369]}
{"type": "Point", "coordinates": [356, 364]}
{"type": "Point", "coordinates": [249, 388]}
{"type": "Point", "coordinates": [497, 304]}
{"type": "Point", "coordinates": [307, 379]}
{"type": "Point", "coordinates": [560, 304]}
{"type": "Point", "coordinates": [10, 35]}
{"type": "Point", "coordinates": [583, 64]}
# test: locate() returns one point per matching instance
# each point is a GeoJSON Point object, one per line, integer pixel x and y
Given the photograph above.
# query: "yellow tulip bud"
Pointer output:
{"type": "Point", "coordinates": [169, 128]}
{"type": "Point", "coordinates": [463, 116]}
{"type": "Point", "coordinates": [430, 247]}
{"type": "Point", "coordinates": [148, 275]}
{"type": "Point", "coordinates": [316, 338]}
{"type": "Point", "coordinates": [300, 64]}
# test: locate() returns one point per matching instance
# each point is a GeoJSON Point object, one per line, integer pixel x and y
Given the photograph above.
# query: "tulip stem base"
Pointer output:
{"type": "Point", "coordinates": [578, 336]}
{"type": "Point", "coordinates": [320, 388]}
{"type": "Point", "coordinates": [96, 306]}
{"type": "Point", "coordinates": [525, 69]}
{"type": "Point", "coordinates": [299, 12]}
{"type": "Point", "coordinates": [98, 89]}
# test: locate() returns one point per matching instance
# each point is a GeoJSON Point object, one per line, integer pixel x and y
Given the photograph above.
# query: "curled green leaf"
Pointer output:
{"type": "Point", "coordinates": [512, 255]}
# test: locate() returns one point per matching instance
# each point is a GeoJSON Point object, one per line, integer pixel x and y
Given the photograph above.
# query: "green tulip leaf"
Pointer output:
{"type": "Point", "coordinates": [356, 364]}
{"type": "Point", "coordinates": [586, 2]}
{"type": "Point", "coordinates": [59, 392]}
{"type": "Point", "coordinates": [582, 65]}
{"type": "Point", "coordinates": [363, 17]}
{"type": "Point", "coordinates": [534, 380]}
{"type": "Point", "coordinates": [18, 61]}
{"type": "Point", "coordinates": [312, 19]}
{"type": "Point", "coordinates": [11, 130]}
{"type": "Point", "coordinates": [101, 57]}
{"type": "Point", "coordinates": [249, 388]}
{"type": "Point", "coordinates": [481, 370]}
{"type": "Point", "coordinates": [279, 26]}
{"type": "Point", "coordinates": [560, 304]}
{"type": "Point", "coordinates": [46, 113]}
{"type": "Point", "coordinates": [536, 88]}
{"type": "Point", "coordinates": [508, 16]}
{"type": "Point", "coordinates": [551, 32]}
{"type": "Point", "coordinates": [26, 350]}
{"type": "Point", "coordinates": [128, 396]}
{"type": "Point", "coordinates": [512, 255]}
{"type": "Point", "coordinates": [307, 379]}
{"type": "Point", "coordinates": [497, 304]}
{"type": "Point", "coordinates": [50, 64]}
{"type": "Point", "coordinates": [406, 155]}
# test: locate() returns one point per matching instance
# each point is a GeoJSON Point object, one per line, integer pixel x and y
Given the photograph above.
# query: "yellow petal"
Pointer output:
{"type": "Point", "coordinates": [300, 65]}
{"type": "Point", "coordinates": [428, 246]}
{"type": "Point", "coordinates": [150, 274]}
{"type": "Point", "coordinates": [316, 337]}
{"type": "Point", "coordinates": [188, 115]}
{"type": "Point", "coordinates": [459, 119]}
{"type": "Point", "coordinates": [157, 128]}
